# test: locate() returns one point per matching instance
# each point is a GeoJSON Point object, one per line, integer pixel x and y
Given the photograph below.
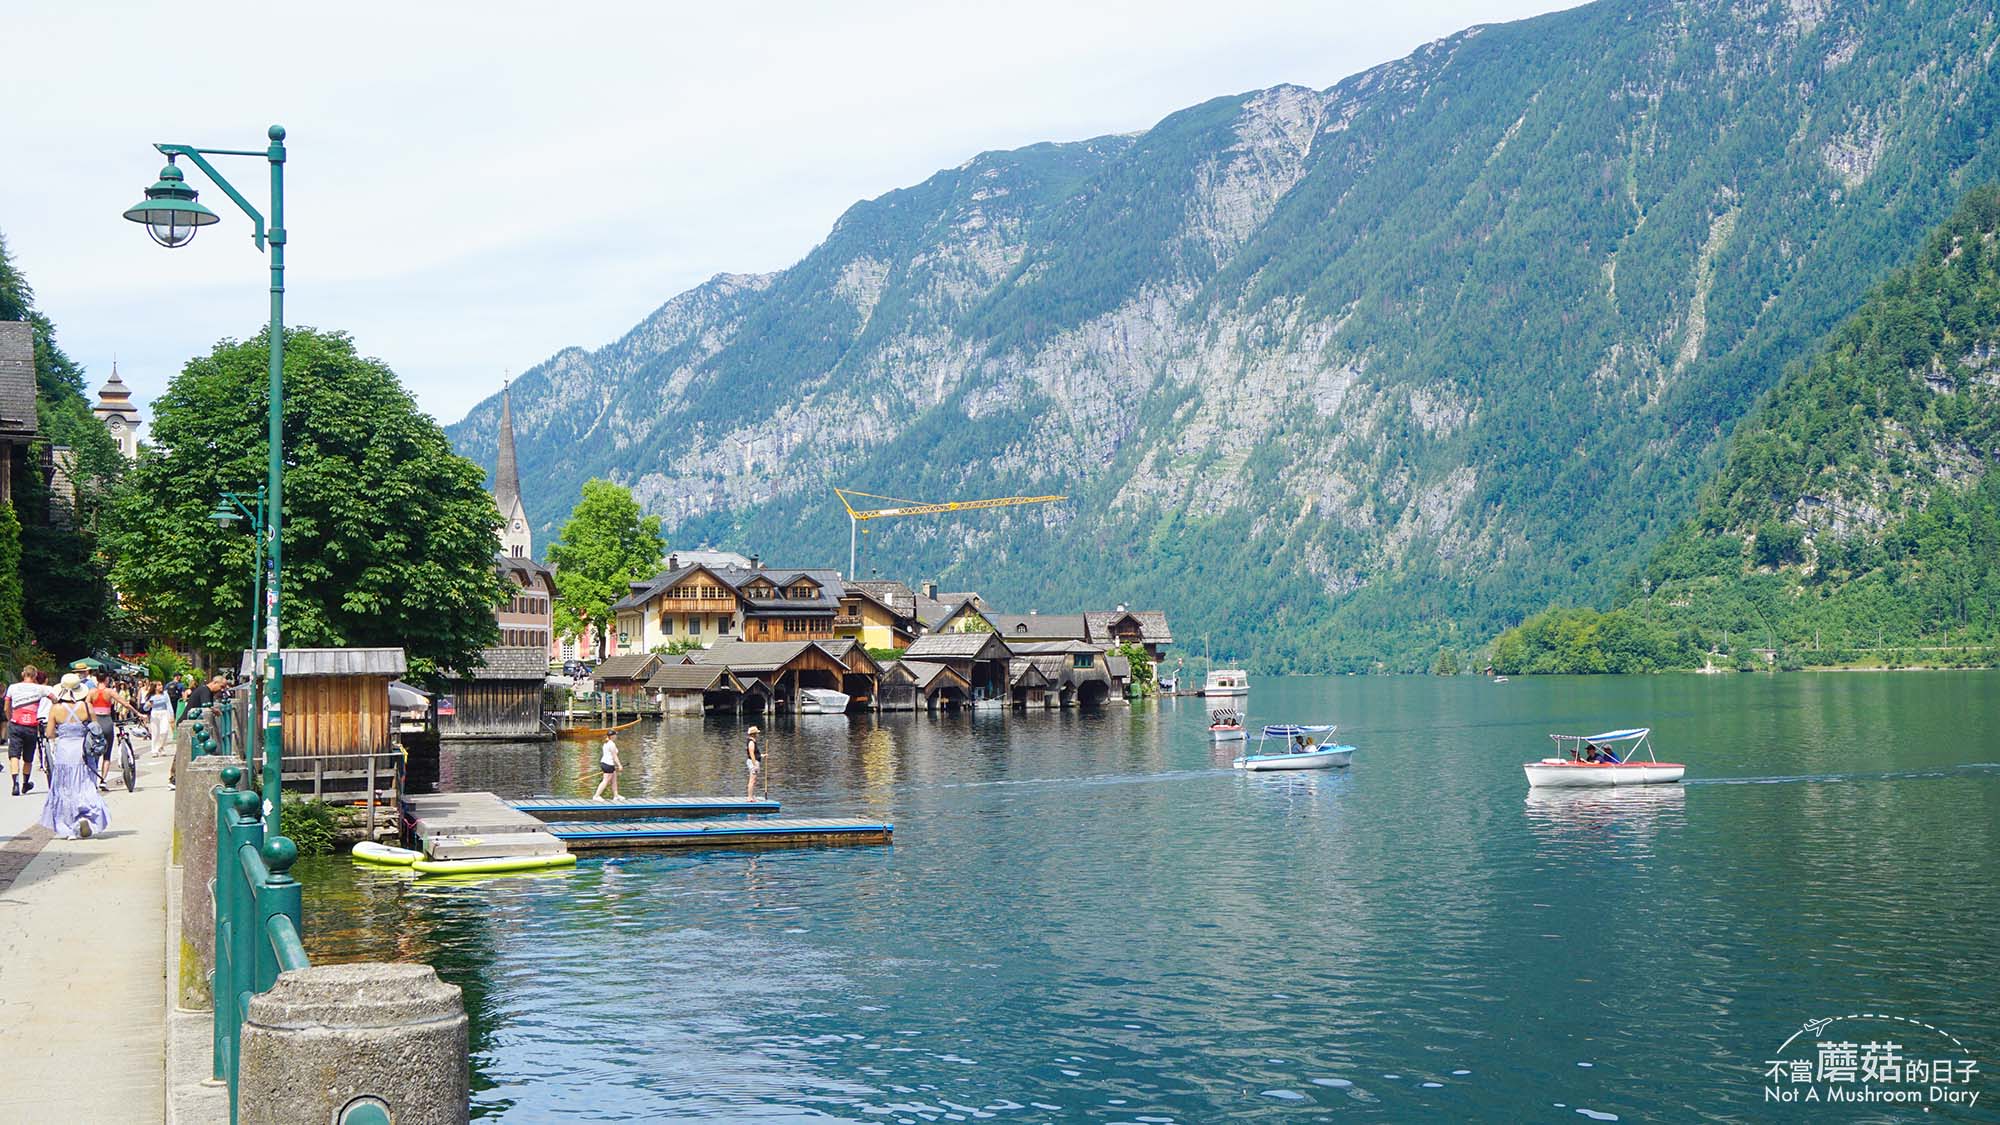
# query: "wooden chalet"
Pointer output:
{"type": "Point", "coordinates": [1145, 628]}
{"type": "Point", "coordinates": [338, 730]}
{"type": "Point", "coordinates": [692, 689]}
{"type": "Point", "coordinates": [1076, 671]}
{"type": "Point", "coordinates": [980, 659]}
{"type": "Point", "coordinates": [783, 668]}
{"type": "Point", "coordinates": [499, 699]}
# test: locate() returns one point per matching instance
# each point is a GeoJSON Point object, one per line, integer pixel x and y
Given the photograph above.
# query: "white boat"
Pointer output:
{"type": "Point", "coordinates": [1226, 682]}
{"type": "Point", "coordinates": [1592, 760]}
{"type": "Point", "coordinates": [1225, 726]}
{"type": "Point", "coordinates": [820, 701]}
{"type": "Point", "coordinates": [1304, 748]}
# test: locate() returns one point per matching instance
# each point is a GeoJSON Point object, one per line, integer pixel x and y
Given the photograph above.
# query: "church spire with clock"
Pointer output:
{"type": "Point", "coordinates": [516, 541]}
{"type": "Point", "coordinates": [118, 413]}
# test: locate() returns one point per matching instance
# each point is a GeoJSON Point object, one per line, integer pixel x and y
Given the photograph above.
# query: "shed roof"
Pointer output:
{"type": "Point", "coordinates": [752, 656]}
{"type": "Point", "coordinates": [694, 677]}
{"type": "Point", "coordinates": [929, 675]}
{"type": "Point", "coordinates": [956, 646]}
{"type": "Point", "coordinates": [629, 666]}
{"type": "Point", "coordinates": [339, 662]}
{"type": "Point", "coordinates": [506, 662]}
{"type": "Point", "coordinates": [1023, 672]}
{"type": "Point", "coordinates": [1119, 667]}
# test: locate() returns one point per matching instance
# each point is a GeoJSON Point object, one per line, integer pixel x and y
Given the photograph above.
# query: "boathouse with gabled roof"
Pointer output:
{"type": "Point", "coordinates": [691, 689]}
{"type": "Point", "coordinates": [500, 698]}
{"type": "Point", "coordinates": [980, 658]}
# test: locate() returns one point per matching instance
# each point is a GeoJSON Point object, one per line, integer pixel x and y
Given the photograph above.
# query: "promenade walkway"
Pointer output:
{"type": "Point", "coordinates": [82, 961]}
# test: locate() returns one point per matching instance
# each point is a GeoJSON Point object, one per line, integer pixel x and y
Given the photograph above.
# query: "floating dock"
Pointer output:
{"type": "Point", "coordinates": [475, 826]}
{"type": "Point", "coordinates": [574, 809]}
{"type": "Point", "coordinates": [771, 833]}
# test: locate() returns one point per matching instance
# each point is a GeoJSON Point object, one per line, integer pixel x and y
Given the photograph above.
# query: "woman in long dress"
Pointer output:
{"type": "Point", "coordinates": [74, 807]}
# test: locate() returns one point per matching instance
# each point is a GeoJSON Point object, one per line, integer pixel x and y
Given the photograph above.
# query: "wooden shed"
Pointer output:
{"type": "Point", "coordinates": [500, 699]}
{"type": "Point", "coordinates": [337, 721]}
{"type": "Point", "coordinates": [690, 689]}
{"type": "Point", "coordinates": [623, 678]}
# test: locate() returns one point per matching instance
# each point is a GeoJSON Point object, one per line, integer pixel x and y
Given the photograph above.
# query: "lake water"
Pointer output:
{"type": "Point", "coordinates": [1089, 916]}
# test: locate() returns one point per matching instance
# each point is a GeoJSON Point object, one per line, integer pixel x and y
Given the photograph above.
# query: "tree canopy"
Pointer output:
{"type": "Point", "coordinates": [606, 545]}
{"type": "Point", "coordinates": [389, 537]}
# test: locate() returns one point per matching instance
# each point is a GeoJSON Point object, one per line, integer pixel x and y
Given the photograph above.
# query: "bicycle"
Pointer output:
{"type": "Point", "coordinates": [128, 760]}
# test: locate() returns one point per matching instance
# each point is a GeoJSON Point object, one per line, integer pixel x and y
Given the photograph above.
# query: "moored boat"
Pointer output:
{"type": "Point", "coordinates": [820, 701]}
{"type": "Point", "coordinates": [1592, 760]}
{"type": "Point", "coordinates": [577, 733]}
{"type": "Point", "coordinates": [1226, 683]}
{"type": "Point", "coordinates": [1225, 726]}
{"type": "Point", "coordinates": [1304, 748]}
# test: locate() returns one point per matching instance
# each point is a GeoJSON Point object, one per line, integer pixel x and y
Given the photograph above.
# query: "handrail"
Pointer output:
{"type": "Point", "coordinates": [257, 918]}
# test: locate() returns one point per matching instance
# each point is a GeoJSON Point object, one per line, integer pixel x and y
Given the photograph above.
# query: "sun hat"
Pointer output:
{"type": "Point", "coordinates": [753, 730]}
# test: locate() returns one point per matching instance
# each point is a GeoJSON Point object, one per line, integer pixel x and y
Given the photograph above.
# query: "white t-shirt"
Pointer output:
{"type": "Point", "coordinates": [25, 693]}
{"type": "Point", "coordinates": [610, 757]}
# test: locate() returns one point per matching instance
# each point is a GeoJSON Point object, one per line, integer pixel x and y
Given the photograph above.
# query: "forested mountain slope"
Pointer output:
{"type": "Point", "coordinates": [1335, 376]}
{"type": "Point", "coordinates": [1859, 509]}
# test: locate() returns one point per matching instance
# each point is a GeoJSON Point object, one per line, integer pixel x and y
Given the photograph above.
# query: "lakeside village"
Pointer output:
{"type": "Point", "coordinates": [719, 630]}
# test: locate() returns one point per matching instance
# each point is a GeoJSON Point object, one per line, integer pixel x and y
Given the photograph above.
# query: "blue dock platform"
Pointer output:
{"type": "Point", "coordinates": [571, 809]}
{"type": "Point", "coordinates": [761, 833]}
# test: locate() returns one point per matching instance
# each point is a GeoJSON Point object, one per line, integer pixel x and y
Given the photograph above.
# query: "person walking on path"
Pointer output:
{"type": "Point", "coordinates": [74, 808]}
{"type": "Point", "coordinates": [611, 767]}
{"type": "Point", "coordinates": [753, 757]}
{"type": "Point", "coordinates": [104, 701]}
{"type": "Point", "coordinates": [159, 708]}
{"type": "Point", "coordinates": [24, 730]}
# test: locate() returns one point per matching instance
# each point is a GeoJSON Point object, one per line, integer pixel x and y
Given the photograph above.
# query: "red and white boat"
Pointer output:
{"type": "Point", "coordinates": [1225, 726]}
{"type": "Point", "coordinates": [1593, 760]}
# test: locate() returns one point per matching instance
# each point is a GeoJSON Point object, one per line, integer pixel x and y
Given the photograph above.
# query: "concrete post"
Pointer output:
{"type": "Point", "coordinates": [194, 851]}
{"type": "Point", "coordinates": [334, 1038]}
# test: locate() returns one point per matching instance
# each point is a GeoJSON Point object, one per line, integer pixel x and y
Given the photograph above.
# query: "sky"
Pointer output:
{"type": "Point", "coordinates": [472, 187]}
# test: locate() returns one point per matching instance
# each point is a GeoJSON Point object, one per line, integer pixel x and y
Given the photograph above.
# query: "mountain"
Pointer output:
{"type": "Point", "coordinates": [1336, 377]}
{"type": "Point", "coordinates": [1859, 508]}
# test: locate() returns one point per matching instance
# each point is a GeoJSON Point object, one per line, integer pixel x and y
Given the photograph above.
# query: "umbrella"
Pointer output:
{"type": "Point", "coordinates": [403, 697]}
{"type": "Point", "coordinates": [87, 662]}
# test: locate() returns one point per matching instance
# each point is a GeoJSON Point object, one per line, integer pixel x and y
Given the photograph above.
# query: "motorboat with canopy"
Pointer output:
{"type": "Point", "coordinates": [1610, 758]}
{"type": "Point", "coordinates": [1300, 747]}
{"type": "Point", "coordinates": [1225, 725]}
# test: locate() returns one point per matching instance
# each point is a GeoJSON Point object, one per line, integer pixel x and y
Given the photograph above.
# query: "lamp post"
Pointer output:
{"type": "Point", "coordinates": [228, 510]}
{"type": "Point", "coordinates": [172, 214]}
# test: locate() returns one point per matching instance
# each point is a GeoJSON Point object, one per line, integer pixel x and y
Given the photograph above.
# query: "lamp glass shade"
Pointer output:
{"type": "Point", "coordinates": [223, 514]}
{"type": "Point", "coordinates": [171, 211]}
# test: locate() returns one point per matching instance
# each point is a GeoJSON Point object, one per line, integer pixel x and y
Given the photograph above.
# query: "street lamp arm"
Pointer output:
{"type": "Point", "coordinates": [200, 161]}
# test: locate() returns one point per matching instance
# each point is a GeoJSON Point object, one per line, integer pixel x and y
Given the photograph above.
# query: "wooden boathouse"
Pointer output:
{"type": "Point", "coordinates": [338, 731]}
{"type": "Point", "coordinates": [920, 685]}
{"type": "Point", "coordinates": [623, 678]}
{"type": "Point", "coordinates": [980, 659]}
{"type": "Point", "coordinates": [781, 669]}
{"type": "Point", "coordinates": [693, 689]}
{"type": "Point", "coordinates": [500, 699]}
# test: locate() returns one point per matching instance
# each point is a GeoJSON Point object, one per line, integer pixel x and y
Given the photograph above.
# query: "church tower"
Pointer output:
{"type": "Point", "coordinates": [116, 410]}
{"type": "Point", "coordinates": [516, 541]}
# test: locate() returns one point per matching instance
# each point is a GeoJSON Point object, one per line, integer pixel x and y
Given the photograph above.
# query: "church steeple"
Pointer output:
{"type": "Point", "coordinates": [116, 410]}
{"type": "Point", "coordinates": [515, 538]}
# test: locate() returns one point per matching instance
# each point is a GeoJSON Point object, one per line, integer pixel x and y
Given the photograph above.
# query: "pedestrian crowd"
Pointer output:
{"type": "Point", "coordinates": [70, 728]}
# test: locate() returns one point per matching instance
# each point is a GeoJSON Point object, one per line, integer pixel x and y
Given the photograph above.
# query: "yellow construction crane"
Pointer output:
{"type": "Point", "coordinates": [915, 508]}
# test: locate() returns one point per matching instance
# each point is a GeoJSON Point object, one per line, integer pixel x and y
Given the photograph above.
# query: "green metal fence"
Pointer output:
{"type": "Point", "coordinates": [256, 916]}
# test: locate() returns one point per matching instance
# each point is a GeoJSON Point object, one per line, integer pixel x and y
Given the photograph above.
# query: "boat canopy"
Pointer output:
{"type": "Point", "coordinates": [1287, 730]}
{"type": "Point", "coordinates": [1632, 735]}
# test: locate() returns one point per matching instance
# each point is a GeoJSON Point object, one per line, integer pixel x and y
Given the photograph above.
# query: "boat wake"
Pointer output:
{"type": "Point", "coordinates": [1969, 769]}
{"type": "Point", "coordinates": [1088, 780]}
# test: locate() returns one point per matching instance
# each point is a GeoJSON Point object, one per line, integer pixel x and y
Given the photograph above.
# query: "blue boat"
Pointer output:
{"type": "Point", "coordinates": [1302, 748]}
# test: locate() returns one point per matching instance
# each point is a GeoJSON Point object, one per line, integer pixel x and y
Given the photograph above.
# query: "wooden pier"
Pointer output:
{"type": "Point", "coordinates": [571, 809]}
{"type": "Point", "coordinates": [475, 826]}
{"type": "Point", "coordinates": [762, 833]}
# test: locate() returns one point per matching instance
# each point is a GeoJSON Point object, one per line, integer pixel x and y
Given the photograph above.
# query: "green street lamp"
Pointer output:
{"type": "Point", "coordinates": [172, 214]}
{"type": "Point", "coordinates": [228, 510]}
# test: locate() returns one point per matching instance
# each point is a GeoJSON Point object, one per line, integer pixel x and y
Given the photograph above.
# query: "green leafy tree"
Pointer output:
{"type": "Point", "coordinates": [389, 537]}
{"type": "Point", "coordinates": [71, 610]}
{"type": "Point", "coordinates": [605, 547]}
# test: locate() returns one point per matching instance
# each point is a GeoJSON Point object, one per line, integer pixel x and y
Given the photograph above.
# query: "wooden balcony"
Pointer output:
{"type": "Point", "coordinates": [846, 620]}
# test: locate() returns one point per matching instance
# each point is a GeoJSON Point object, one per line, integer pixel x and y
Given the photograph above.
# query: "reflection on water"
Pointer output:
{"type": "Point", "coordinates": [1090, 916]}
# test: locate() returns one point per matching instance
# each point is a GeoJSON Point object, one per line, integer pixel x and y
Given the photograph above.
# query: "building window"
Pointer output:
{"type": "Point", "coordinates": [1083, 660]}
{"type": "Point", "coordinates": [666, 626]}
{"type": "Point", "coordinates": [694, 626]}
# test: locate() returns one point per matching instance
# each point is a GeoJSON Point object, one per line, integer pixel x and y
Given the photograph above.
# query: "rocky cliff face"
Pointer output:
{"type": "Point", "coordinates": [1336, 376]}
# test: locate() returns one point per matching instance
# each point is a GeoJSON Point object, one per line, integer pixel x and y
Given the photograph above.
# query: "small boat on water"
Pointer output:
{"type": "Point", "coordinates": [1226, 682]}
{"type": "Point", "coordinates": [583, 733]}
{"type": "Point", "coordinates": [1301, 748]}
{"type": "Point", "coordinates": [820, 701]}
{"type": "Point", "coordinates": [1594, 760]}
{"type": "Point", "coordinates": [1225, 726]}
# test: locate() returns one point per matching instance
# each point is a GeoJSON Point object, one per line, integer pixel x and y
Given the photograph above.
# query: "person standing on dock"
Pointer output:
{"type": "Point", "coordinates": [609, 764]}
{"type": "Point", "coordinates": [753, 757]}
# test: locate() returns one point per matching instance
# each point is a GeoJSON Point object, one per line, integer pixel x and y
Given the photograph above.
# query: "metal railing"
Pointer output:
{"type": "Point", "coordinates": [256, 917]}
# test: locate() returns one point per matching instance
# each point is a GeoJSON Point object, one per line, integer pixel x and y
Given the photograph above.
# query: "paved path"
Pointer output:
{"type": "Point", "coordinates": [82, 962]}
